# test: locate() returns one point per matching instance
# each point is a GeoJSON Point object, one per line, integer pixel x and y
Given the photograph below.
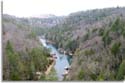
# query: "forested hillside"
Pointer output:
{"type": "Point", "coordinates": [78, 26]}
{"type": "Point", "coordinates": [101, 57]}
{"type": "Point", "coordinates": [94, 38]}
{"type": "Point", "coordinates": [23, 54]}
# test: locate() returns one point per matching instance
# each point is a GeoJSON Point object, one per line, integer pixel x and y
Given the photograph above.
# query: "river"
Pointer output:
{"type": "Point", "coordinates": [61, 61]}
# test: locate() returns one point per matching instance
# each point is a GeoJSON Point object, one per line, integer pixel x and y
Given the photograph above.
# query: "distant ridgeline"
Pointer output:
{"type": "Point", "coordinates": [95, 39]}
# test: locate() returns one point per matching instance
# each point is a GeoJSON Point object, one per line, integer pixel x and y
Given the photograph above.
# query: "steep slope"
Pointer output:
{"type": "Point", "coordinates": [101, 57]}
{"type": "Point", "coordinates": [23, 55]}
{"type": "Point", "coordinates": [96, 40]}
{"type": "Point", "coordinates": [77, 26]}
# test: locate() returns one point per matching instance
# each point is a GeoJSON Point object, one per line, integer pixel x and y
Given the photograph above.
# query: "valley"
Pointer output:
{"type": "Point", "coordinates": [90, 43]}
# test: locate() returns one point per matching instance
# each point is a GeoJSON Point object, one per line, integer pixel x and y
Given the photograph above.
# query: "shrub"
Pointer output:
{"type": "Point", "coordinates": [80, 61]}
{"type": "Point", "coordinates": [32, 35]}
{"type": "Point", "coordinates": [94, 30]}
{"type": "Point", "coordinates": [123, 33]}
{"type": "Point", "coordinates": [81, 75]}
{"type": "Point", "coordinates": [93, 76]}
{"type": "Point", "coordinates": [100, 77]}
{"type": "Point", "coordinates": [86, 37]}
{"type": "Point", "coordinates": [106, 38]}
{"type": "Point", "coordinates": [89, 52]}
{"type": "Point", "coordinates": [14, 75]}
{"type": "Point", "coordinates": [121, 71]}
{"type": "Point", "coordinates": [115, 48]}
{"type": "Point", "coordinates": [101, 32]}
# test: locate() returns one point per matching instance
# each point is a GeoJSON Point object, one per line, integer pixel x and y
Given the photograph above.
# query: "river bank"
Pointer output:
{"type": "Point", "coordinates": [61, 62]}
{"type": "Point", "coordinates": [60, 50]}
{"type": "Point", "coordinates": [49, 68]}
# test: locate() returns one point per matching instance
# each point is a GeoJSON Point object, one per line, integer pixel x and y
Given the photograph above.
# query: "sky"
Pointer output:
{"type": "Point", "coordinates": [27, 8]}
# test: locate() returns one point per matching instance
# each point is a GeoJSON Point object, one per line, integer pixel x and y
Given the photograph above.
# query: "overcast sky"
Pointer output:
{"type": "Point", "coordinates": [26, 8]}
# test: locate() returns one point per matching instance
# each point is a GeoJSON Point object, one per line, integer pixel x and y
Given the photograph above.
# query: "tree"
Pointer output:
{"type": "Point", "coordinates": [115, 48]}
{"type": "Point", "coordinates": [106, 38]}
{"type": "Point", "coordinates": [121, 71]}
{"type": "Point", "coordinates": [101, 32]}
{"type": "Point", "coordinates": [13, 59]}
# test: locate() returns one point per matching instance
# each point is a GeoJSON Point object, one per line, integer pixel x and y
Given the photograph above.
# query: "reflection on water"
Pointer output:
{"type": "Point", "coordinates": [61, 61]}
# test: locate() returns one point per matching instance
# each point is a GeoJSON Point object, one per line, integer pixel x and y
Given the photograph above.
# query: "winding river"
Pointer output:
{"type": "Point", "coordinates": [61, 61]}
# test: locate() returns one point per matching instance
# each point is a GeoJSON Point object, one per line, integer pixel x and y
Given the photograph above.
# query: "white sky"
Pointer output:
{"type": "Point", "coordinates": [26, 8]}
